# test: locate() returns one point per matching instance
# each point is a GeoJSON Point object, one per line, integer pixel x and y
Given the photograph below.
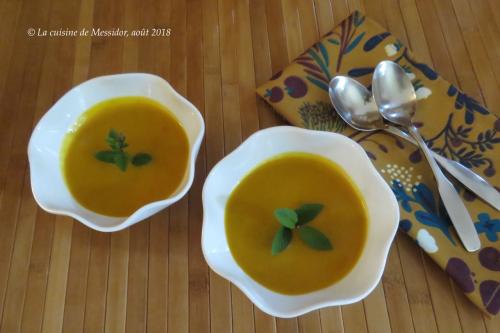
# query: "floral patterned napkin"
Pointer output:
{"type": "Point", "coordinates": [452, 123]}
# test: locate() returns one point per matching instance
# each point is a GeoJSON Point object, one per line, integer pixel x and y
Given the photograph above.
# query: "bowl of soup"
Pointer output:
{"type": "Point", "coordinates": [115, 150]}
{"type": "Point", "coordinates": [298, 220]}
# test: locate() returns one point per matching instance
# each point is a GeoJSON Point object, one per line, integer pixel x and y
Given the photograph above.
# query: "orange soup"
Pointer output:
{"type": "Point", "coordinates": [291, 180]}
{"type": "Point", "coordinates": [124, 153]}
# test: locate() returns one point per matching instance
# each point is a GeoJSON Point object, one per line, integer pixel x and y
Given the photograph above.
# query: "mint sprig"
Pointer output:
{"type": "Point", "coordinates": [290, 220]}
{"type": "Point", "coordinates": [314, 238]}
{"type": "Point", "coordinates": [141, 159]}
{"type": "Point", "coordinates": [287, 217]}
{"type": "Point", "coordinates": [117, 155]}
{"type": "Point", "coordinates": [308, 212]}
{"type": "Point", "coordinates": [281, 240]}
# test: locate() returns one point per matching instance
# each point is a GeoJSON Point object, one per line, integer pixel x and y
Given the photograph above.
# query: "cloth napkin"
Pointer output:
{"type": "Point", "coordinates": [452, 123]}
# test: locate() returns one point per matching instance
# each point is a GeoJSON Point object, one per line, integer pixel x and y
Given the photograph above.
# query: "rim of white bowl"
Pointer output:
{"type": "Point", "coordinates": [273, 311]}
{"type": "Point", "coordinates": [194, 149]}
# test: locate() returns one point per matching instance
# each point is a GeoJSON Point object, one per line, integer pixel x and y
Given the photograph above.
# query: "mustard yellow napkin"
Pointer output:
{"type": "Point", "coordinates": [453, 124]}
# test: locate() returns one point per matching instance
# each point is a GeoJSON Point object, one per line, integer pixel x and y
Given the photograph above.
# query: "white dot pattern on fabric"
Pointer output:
{"type": "Point", "coordinates": [401, 174]}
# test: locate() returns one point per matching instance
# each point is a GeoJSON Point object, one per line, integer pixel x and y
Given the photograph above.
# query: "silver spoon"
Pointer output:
{"type": "Point", "coordinates": [355, 105]}
{"type": "Point", "coordinates": [396, 99]}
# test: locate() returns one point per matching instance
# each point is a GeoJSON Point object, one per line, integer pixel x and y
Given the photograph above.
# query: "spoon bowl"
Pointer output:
{"type": "Point", "coordinates": [397, 99]}
{"type": "Point", "coordinates": [354, 104]}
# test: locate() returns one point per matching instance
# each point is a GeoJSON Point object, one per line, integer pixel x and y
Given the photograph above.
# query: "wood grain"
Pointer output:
{"type": "Point", "coordinates": [57, 275]}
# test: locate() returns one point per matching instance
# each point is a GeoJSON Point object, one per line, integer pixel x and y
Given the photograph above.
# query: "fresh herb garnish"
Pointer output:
{"type": "Point", "coordinates": [281, 240]}
{"type": "Point", "coordinates": [308, 212]}
{"type": "Point", "coordinates": [314, 238]}
{"type": "Point", "coordinates": [287, 217]}
{"type": "Point", "coordinates": [291, 219]}
{"type": "Point", "coordinates": [117, 155]}
{"type": "Point", "coordinates": [141, 159]}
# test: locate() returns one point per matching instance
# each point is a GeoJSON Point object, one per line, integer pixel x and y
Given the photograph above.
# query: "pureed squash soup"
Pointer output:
{"type": "Point", "coordinates": [124, 153]}
{"type": "Point", "coordinates": [329, 233]}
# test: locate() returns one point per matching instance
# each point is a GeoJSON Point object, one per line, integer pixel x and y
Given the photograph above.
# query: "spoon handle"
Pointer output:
{"type": "Point", "coordinates": [466, 176]}
{"type": "Point", "coordinates": [452, 201]}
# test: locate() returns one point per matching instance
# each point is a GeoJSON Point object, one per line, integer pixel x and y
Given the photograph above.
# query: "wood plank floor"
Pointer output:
{"type": "Point", "coordinates": [57, 275]}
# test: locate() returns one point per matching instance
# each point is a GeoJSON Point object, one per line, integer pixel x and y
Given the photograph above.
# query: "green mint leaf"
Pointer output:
{"type": "Point", "coordinates": [314, 238]}
{"type": "Point", "coordinates": [287, 217]}
{"type": "Point", "coordinates": [121, 160]}
{"type": "Point", "coordinates": [113, 135]}
{"type": "Point", "coordinates": [308, 212]}
{"type": "Point", "coordinates": [112, 139]}
{"type": "Point", "coordinates": [106, 156]}
{"type": "Point", "coordinates": [117, 155]}
{"type": "Point", "coordinates": [141, 159]}
{"type": "Point", "coordinates": [281, 240]}
{"type": "Point", "coordinates": [121, 142]}
{"type": "Point", "coordinates": [116, 140]}
{"type": "Point", "coordinates": [114, 146]}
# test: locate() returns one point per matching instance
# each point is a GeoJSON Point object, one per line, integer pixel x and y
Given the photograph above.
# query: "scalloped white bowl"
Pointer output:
{"type": "Point", "coordinates": [383, 216]}
{"type": "Point", "coordinates": [47, 182]}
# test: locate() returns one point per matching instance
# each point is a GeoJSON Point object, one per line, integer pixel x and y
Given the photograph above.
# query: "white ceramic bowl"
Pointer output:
{"type": "Point", "coordinates": [382, 207]}
{"type": "Point", "coordinates": [47, 183]}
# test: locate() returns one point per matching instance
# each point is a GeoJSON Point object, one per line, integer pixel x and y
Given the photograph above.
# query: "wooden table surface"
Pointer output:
{"type": "Point", "coordinates": [57, 275]}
